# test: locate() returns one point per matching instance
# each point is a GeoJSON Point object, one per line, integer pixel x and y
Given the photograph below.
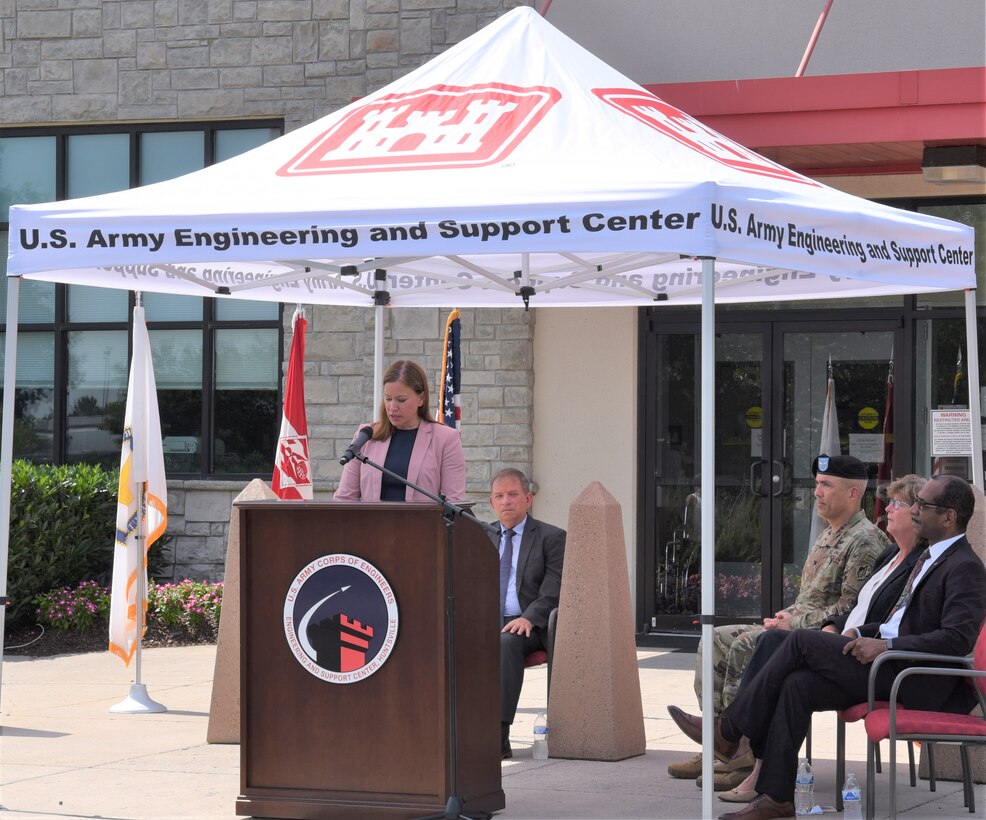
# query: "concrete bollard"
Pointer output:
{"type": "Point", "coordinates": [224, 711]}
{"type": "Point", "coordinates": [594, 709]}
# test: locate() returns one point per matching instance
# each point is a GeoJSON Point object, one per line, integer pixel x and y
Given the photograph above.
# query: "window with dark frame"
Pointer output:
{"type": "Point", "coordinates": [217, 363]}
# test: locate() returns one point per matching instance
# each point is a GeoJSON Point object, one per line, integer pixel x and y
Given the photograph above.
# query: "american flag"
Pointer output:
{"type": "Point", "coordinates": [960, 385]}
{"type": "Point", "coordinates": [451, 372]}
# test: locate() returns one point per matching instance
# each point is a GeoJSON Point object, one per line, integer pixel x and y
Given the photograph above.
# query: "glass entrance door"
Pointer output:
{"type": "Point", "coordinates": [771, 381]}
{"type": "Point", "coordinates": [860, 366]}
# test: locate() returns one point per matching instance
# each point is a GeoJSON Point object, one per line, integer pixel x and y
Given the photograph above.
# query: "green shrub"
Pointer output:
{"type": "Point", "coordinates": [63, 522]}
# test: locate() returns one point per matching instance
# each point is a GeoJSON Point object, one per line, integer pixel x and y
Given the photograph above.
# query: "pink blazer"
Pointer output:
{"type": "Point", "coordinates": [437, 465]}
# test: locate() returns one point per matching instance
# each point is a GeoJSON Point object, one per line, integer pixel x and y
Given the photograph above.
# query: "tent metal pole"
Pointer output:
{"type": "Point", "coordinates": [972, 379]}
{"type": "Point", "coordinates": [7, 447]}
{"type": "Point", "coordinates": [378, 319]}
{"type": "Point", "coordinates": [708, 489]}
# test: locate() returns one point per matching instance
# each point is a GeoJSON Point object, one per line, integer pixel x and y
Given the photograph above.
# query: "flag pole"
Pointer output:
{"type": "Point", "coordinates": [972, 380]}
{"type": "Point", "coordinates": [138, 701]}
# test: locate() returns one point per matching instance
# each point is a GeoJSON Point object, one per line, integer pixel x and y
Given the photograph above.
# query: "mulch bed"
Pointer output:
{"type": "Point", "coordinates": [34, 642]}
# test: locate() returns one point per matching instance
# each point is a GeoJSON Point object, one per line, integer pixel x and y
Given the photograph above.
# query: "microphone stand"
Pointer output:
{"type": "Point", "coordinates": [453, 807]}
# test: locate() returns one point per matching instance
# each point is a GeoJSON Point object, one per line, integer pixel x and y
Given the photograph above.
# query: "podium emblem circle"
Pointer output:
{"type": "Point", "coordinates": [340, 618]}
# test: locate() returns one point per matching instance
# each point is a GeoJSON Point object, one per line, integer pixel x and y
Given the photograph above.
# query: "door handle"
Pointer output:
{"type": "Point", "coordinates": [756, 480]}
{"type": "Point", "coordinates": [777, 479]}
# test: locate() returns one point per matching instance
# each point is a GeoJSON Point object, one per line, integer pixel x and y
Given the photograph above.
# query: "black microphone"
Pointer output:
{"type": "Point", "coordinates": [352, 451]}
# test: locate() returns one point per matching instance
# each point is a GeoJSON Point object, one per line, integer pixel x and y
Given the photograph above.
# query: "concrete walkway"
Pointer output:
{"type": "Point", "coordinates": [63, 755]}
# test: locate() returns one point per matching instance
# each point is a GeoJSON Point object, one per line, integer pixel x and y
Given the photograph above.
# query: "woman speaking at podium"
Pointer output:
{"type": "Point", "coordinates": [406, 441]}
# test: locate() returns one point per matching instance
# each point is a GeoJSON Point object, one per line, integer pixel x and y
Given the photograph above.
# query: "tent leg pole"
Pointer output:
{"type": "Point", "coordinates": [708, 487]}
{"type": "Point", "coordinates": [972, 379]}
{"type": "Point", "coordinates": [378, 320]}
{"type": "Point", "coordinates": [7, 447]}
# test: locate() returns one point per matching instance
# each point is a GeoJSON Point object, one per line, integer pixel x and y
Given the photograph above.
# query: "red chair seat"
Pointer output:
{"type": "Point", "coordinates": [858, 712]}
{"type": "Point", "coordinates": [535, 659]}
{"type": "Point", "coordinates": [919, 722]}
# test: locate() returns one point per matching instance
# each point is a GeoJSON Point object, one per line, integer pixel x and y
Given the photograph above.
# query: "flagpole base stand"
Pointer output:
{"type": "Point", "coordinates": [137, 702]}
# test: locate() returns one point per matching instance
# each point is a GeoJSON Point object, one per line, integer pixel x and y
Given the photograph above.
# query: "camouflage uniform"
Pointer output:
{"type": "Point", "coordinates": [835, 570]}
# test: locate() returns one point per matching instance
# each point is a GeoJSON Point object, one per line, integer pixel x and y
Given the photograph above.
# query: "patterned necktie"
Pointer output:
{"type": "Point", "coordinates": [506, 562]}
{"type": "Point", "coordinates": [905, 596]}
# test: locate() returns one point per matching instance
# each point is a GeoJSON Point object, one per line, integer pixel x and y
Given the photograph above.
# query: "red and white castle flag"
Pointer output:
{"type": "Point", "coordinates": [292, 468]}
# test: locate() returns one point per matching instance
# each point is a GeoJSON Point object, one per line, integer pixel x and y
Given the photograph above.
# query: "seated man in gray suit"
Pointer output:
{"type": "Point", "coordinates": [531, 555]}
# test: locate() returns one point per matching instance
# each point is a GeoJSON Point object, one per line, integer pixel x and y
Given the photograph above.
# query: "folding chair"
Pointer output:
{"type": "Point", "coordinates": [894, 722]}
{"type": "Point", "coordinates": [544, 656]}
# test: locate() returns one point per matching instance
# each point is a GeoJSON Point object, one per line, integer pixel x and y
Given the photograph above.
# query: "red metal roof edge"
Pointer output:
{"type": "Point", "coordinates": [834, 92]}
{"type": "Point", "coordinates": [939, 105]}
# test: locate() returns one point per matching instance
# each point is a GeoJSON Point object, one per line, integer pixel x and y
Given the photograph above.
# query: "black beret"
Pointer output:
{"type": "Point", "coordinates": [841, 466]}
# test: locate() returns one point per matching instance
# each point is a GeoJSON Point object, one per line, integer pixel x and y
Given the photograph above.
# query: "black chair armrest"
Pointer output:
{"type": "Point", "coordinates": [549, 638]}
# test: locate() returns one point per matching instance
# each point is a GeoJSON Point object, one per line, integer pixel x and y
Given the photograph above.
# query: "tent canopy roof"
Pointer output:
{"type": "Point", "coordinates": [514, 167]}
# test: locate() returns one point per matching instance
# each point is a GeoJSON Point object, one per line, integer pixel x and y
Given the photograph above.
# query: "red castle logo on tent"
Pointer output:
{"type": "Point", "coordinates": [657, 114]}
{"type": "Point", "coordinates": [440, 127]}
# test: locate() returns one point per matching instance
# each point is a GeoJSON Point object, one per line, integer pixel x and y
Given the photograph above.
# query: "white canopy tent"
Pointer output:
{"type": "Point", "coordinates": [516, 169]}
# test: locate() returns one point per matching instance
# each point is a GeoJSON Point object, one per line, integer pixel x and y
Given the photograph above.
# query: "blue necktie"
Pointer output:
{"type": "Point", "coordinates": [506, 563]}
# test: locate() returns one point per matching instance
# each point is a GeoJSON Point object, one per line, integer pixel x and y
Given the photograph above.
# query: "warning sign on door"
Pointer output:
{"type": "Point", "coordinates": [951, 432]}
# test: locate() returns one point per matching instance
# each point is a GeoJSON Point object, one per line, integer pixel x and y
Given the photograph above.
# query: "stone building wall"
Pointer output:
{"type": "Point", "coordinates": [497, 396]}
{"type": "Point", "coordinates": [86, 61]}
{"type": "Point", "coordinates": [109, 61]}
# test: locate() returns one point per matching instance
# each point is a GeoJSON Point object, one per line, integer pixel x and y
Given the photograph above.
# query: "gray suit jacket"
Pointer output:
{"type": "Point", "coordinates": [539, 564]}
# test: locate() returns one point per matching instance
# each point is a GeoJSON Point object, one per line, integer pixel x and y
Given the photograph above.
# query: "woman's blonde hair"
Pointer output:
{"type": "Point", "coordinates": [906, 488]}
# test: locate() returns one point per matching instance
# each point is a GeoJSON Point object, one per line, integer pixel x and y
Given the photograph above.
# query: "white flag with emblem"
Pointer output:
{"type": "Point", "coordinates": [142, 502]}
{"type": "Point", "coordinates": [829, 445]}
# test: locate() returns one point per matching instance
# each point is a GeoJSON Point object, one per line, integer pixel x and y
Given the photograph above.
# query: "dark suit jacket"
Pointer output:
{"type": "Point", "coordinates": [944, 616]}
{"type": "Point", "coordinates": [881, 603]}
{"type": "Point", "coordinates": [539, 563]}
{"type": "Point", "coordinates": [888, 592]}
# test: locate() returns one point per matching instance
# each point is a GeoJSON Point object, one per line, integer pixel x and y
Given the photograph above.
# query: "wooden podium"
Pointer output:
{"type": "Point", "coordinates": [378, 746]}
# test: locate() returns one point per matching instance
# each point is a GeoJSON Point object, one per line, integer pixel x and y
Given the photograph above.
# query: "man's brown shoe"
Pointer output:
{"type": "Point", "coordinates": [763, 807]}
{"type": "Point", "coordinates": [687, 769]}
{"type": "Point", "coordinates": [692, 727]}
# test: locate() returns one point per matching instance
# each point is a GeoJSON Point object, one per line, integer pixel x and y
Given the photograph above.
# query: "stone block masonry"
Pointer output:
{"type": "Point", "coordinates": [179, 59]}
{"type": "Point", "coordinates": [497, 383]}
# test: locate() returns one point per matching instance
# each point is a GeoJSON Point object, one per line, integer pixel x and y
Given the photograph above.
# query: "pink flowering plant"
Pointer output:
{"type": "Point", "coordinates": [189, 604]}
{"type": "Point", "coordinates": [190, 607]}
{"type": "Point", "coordinates": [77, 608]}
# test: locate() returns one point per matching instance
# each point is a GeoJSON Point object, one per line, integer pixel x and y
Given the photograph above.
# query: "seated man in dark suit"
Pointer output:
{"type": "Point", "coordinates": [530, 582]}
{"type": "Point", "coordinates": [941, 610]}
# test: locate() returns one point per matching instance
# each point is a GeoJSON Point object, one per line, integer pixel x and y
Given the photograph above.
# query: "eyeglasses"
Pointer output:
{"type": "Point", "coordinates": [922, 504]}
{"type": "Point", "coordinates": [896, 504]}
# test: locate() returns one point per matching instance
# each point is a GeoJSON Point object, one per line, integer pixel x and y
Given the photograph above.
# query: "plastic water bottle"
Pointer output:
{"type": "Point", "coordinates": [804, 789]}
{"type": "Point", "coordinates": [852, 798]}
{"type": "Point", "coordinates": [540, 737]}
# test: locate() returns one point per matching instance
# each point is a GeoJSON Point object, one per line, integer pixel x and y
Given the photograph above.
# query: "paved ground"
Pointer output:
{"type": "Point", "coordinates": [63, 755]}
